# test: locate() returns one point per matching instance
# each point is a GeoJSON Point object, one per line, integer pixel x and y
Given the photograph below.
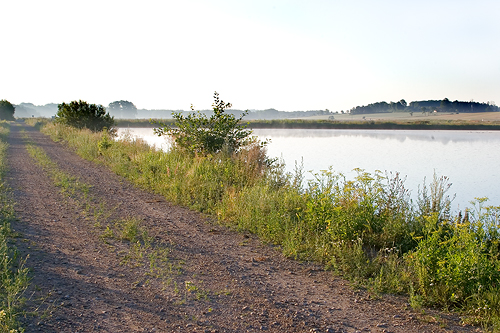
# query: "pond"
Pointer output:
{"type": "Point", "coordinates": [470, 159]}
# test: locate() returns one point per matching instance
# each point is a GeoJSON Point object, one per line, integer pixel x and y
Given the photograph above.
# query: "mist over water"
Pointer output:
{"type": "Point", "coordinates": [470, 159]}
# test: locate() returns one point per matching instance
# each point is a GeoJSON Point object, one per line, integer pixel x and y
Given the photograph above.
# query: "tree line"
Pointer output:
{"type": "Point", "coordinates": [444, 105]}
{"type": "Point", "coordinates": [123, 109]}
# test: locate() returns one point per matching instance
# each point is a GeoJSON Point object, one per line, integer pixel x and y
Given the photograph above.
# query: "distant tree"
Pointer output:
{"type": "Point", "coordinates": [445, 104]}
{"type": "Point", "coordinates": [403, 103]}
{"type": "Point", "coordinates": [123, 109]}
{"type": "Point", "coordinates": [394, 106]}
{"type": "Point", "coordinates": [84, 115]}
{"type": "Point", "coordinates": [6, 110]}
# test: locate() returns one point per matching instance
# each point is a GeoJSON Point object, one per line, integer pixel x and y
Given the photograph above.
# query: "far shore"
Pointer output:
{"type": "Point", "coordinates": [395, 120]}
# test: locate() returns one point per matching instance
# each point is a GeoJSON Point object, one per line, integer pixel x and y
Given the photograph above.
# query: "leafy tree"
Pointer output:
{"type": "Point", "coordinates": [445, 104]}
{"type": "Point", "coordinates": [122, 109]}
{"type": "Point", "coordinates": [199, 134]}
{"type": "Point", "coordinates": [84, 115]}
{"type": "Point", "coordinates": [6, 110]}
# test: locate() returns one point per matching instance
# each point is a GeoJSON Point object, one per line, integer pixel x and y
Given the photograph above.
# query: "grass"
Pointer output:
{"type": "Point", "coordinates": [394, 124]}
{"type": "Point", "coordinates": [389, 120]}
{"type": "Point", "coordinates": [13, 274]}
{"type": "Point", "coordinates": [366, 229]}
{"type": "Point", "coordinates": [142, 251]}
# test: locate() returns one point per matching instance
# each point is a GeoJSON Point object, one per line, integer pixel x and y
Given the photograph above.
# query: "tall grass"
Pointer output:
{"type": "Point", "coordinates": [13, 274]}
{"type": "Point", "coordinates": [367, 228]}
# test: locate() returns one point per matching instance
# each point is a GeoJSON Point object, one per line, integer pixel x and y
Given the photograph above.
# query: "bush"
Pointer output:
{"type": "Point", "coordinates": [457, 260]}
{"type": "Point", "coordinates": [198, 134]}
{"type": "Point", "coordinates": [84, 115]}
{"type": "Point", "coordinates": [6, 110]}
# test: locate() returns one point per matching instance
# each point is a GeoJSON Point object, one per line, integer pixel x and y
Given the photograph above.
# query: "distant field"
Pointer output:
{"type": "Point", "coordinates": [405, 116]}
{"type": "Point", "coordinates": [395, 120]}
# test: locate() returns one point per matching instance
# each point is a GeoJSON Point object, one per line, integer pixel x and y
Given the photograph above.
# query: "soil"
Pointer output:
{"type": "Point", "coordinates": [214, 279]}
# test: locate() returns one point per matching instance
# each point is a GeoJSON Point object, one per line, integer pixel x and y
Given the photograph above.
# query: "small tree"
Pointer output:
{"type": "Point", "coordinates": [84, 115]}
{"type": "Point", "coordinates": [6, 110]}
{"type": "Point", "coordinates": [199, 134]}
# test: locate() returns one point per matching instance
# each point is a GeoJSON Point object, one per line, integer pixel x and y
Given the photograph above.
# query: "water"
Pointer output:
{"type": "Point", "coordinates": [471, 159]}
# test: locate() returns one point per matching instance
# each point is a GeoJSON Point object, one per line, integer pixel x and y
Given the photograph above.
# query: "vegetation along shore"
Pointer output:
{"type": "Point", "coordinates": [387, 121]}
{"type": "Point", "coordinates": [366, 229]}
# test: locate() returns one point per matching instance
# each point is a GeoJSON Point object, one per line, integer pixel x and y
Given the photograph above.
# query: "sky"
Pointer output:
{"type": "Point", "coordinates": [257, 54]}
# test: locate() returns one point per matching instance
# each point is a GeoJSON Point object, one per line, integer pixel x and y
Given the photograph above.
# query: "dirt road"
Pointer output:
{"type": "Point", "coordinates": [190, 276]}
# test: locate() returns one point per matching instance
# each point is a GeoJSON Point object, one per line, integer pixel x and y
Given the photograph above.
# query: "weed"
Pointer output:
{"type": "Point", "coordinates": [108, 233]}
{"type": "Point", "coordinates": [191, 288]}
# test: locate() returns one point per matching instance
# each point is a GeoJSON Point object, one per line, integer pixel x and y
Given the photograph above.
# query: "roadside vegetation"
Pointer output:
{"type": "Point", "coordinates": [141, 249]}
{"type": "Point", "coordinates": [366, 229]}
{"type": "Point", "coordinates": [80, 114]}
{"type": "Point", "coordinates": [6, 110]}
{"type": "Point", "coordinates": [13, 274]}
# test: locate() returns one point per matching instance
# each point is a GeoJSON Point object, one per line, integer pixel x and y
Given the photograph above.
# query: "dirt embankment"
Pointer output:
{"type": "Point", "coordinates": [190, 276]}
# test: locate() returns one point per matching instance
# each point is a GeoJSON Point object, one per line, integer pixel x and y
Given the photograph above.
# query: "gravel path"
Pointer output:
{"type": "Point", "coordinates": [206, 278]}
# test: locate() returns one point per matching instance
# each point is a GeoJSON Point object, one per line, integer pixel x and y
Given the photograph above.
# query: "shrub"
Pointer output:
{"type": "Point", "coordinates": [84, 115]}
{"type": "Point", "coordinates": [6, 110]}
{"type": "Point", "coordinates": [458, 259]}
{"type": "Point", "coordinates": [199, 134]}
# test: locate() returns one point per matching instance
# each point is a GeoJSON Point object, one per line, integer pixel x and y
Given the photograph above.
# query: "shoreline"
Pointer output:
{"type": "Point", "coordinates": [348, 124]}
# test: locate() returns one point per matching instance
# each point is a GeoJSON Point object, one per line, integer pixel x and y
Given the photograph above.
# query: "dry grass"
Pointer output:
{"type": "Point", "coordinates": [417, 116]}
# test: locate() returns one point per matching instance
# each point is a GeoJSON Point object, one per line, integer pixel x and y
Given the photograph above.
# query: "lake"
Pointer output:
{"type": "Point", "coordinates": [471, 159]}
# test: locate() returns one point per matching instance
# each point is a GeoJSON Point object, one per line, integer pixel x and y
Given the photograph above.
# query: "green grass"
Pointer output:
{"type": "Point", "coordinates": [417, 124]}
{"type": "Point", "coordinates": [13, 274]}
{"type": "Point", "coordinates": [142, 251]}
{"type": "Point", "coordinates": [366, 229]}
{"type": "Point", "coordinates": [380, 121]}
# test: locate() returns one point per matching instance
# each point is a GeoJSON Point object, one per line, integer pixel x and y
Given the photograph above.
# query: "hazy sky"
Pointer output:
{"type": "Point", "coordinates": [258, 54]}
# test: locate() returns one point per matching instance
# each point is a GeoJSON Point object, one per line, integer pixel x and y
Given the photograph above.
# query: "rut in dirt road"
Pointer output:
{"type": "Point", "coordinates": [108, 257]}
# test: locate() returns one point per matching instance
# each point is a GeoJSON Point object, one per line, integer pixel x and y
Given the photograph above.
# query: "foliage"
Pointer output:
{"type": "Point", "coordinates": [457, 260]}
{"type": "Point", "coordinates": [122, 109]}
{"type": "Point", "coordinates": [367, 228]}
{"type": "Point", "coordinates": [6, 110]}
{"type": "Point", "coordinates": [199, 134]}
{"type": "Point", "coordinates": [84, 115]}
{"type": "Point", "coordinates": [443, 106]}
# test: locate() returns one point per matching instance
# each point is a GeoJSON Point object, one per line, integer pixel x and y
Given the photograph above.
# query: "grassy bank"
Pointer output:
{"type": "Point", "coordinates": [366, 229]}
{"type": "Point", "coordinates": [377, 124]}
{"type": "Point", "coordinates": [427, 123]}
{"type": "Point", "coordinates": [13, 274]}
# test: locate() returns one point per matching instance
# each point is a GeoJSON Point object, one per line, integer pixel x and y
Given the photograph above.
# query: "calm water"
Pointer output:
{"type": "Point", "coordinates": [471, 159]}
